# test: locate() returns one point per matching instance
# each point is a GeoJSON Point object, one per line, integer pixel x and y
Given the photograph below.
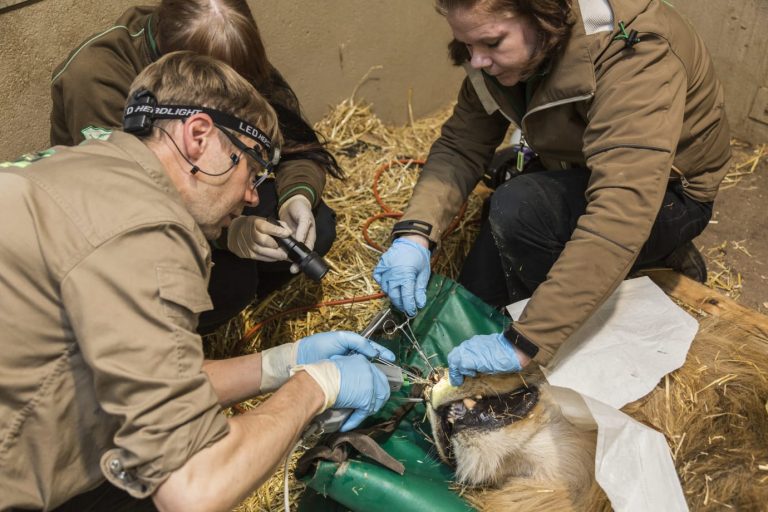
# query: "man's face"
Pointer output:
{"type": "Point", "coordinates": [501, 45]}
{"type": "Point", "coordinates": [215, 200]}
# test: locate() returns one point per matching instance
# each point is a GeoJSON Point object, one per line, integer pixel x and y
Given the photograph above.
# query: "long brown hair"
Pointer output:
{"type": "Point", "coordinates": [223, 29]}
{"type": "Point", "coordinates": [227, 30]}
{"type": "Point", "coordinates": [553, 20]}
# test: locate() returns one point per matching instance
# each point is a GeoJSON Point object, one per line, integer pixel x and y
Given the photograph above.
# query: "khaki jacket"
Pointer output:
{"type": "Point", "coordinates": [635, 117]}
{"type": "Point", "coordinates": [101, 281]}
{"type": "Point", "coordinates": [89, 91]}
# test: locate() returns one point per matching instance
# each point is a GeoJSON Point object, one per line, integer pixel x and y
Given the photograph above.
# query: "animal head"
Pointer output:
{"type": "Point", "coordinates": [495, 428]}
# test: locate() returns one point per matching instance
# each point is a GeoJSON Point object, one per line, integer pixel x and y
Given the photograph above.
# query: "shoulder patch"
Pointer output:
{"type": "Point", "coordinates": [95, 133]}
{"type": "Point", "coordinates": [27, 159]}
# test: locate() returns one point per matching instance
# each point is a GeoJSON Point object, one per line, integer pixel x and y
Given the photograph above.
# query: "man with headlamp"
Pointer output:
{"type": "Point", "coordinates": [88, 91]}
{"type": "Point", "coordinates": [106, 402]}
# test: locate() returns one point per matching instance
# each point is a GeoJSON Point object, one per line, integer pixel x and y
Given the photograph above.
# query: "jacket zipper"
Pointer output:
{"type": "Point", "coordinates": [550, 105]}
{"type": "Point", "coordinates": [521, 153]}
{"type": "Point", "coordinates": [680, 174]}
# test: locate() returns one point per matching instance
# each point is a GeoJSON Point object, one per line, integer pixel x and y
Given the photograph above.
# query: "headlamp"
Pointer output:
{"type": "Point", "coordinates": [142, 110]}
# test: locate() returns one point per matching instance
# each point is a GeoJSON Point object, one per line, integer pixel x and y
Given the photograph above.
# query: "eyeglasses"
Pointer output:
{"type": "Point", "coordinates": [267, 167]}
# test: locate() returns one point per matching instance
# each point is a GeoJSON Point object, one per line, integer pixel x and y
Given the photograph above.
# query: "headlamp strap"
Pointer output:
{"type": "Point", "coordinates": [143, 109]}
{"type": "Point", "coordinates": [185, 111]}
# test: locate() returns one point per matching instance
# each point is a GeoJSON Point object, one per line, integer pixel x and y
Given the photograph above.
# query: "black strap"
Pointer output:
{"type": "Point", "coordinates": [519, 341]}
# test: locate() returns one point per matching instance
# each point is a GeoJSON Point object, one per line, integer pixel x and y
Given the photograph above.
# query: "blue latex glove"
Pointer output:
{"type": "Point", "coordinates": [403, 274]}
{"type": "Point", "coordinates": [483, 353]}
{"type": "Point", "coordinates": [324, 345]}
{"type": "Point", "coordinates": [363, 388]}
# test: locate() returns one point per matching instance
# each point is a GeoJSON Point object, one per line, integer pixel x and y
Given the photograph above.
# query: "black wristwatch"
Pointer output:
{"type": "Point", "coordinates": [520, 342]}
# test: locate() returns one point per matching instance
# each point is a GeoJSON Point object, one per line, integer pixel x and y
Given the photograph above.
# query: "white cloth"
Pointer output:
{"type": "Point", "coordinates": [619, 355]}
{"type": "Point", "coordinates": [635, 338]}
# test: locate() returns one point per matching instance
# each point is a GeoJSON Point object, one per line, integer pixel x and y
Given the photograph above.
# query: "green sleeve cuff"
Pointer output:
{"type": "Point", "coordinates": [301, 189]}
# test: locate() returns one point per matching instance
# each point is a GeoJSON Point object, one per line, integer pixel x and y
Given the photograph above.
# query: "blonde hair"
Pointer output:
{"type": "Point", "coordinates": [188, 78]}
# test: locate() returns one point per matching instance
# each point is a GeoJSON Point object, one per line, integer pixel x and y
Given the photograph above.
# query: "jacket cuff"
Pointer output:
{"type": "Point", "coordinates": [520, 342]}
{"type": "Point", "coordinates": [300, 177]}
{"type": "Point", "coordinates": [414, 227]}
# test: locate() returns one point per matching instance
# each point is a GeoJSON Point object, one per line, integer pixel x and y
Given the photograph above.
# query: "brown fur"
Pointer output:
{"type": "Point", "coordinates": [712, 412]}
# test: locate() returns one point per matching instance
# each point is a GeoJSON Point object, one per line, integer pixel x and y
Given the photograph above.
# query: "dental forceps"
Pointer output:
{"type": "Point", "coordinates": [379, 322]}
{"type": "Point", "coordinates": [390, 327]}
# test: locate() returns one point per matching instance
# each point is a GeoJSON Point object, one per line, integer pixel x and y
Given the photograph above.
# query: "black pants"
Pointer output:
{"type": "Point", "coordinates": [529, 219]}
{"type": "Point", "coordinates": [236, 282]}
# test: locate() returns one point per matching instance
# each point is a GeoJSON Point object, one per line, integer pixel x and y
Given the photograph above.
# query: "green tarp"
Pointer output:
{"type": "Point", "coordinates": [452, 315]}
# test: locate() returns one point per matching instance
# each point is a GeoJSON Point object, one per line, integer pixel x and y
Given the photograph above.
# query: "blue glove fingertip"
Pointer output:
{"type": "Point", "coordinates": [455, 377]}
{"type": "Point", "coordinates": [421, 299]}
{"type": "Point", "coordinates": [383, 352]}
{"type": "Point", "coordinates": [355, 419]}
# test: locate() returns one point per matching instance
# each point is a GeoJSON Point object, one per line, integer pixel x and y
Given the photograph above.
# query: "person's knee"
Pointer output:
{"type": "Point", "coordinates": [325, 227]}
{"type": "Point", "coordinates": [516, 208]}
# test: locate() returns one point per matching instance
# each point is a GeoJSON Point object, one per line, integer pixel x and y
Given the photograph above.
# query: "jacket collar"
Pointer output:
{"type": "Point", "coordinates": [137, 151]}
{"type": "Point", "coordinates": [571, 74]}
{"type": "Point", "coordinates": [146, 158]}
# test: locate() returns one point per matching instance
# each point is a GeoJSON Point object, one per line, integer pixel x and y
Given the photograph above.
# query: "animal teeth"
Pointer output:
{"type": "Point", "coordinates": [469, 403]}
{"type": "Point", "coordinates": [478, 397]}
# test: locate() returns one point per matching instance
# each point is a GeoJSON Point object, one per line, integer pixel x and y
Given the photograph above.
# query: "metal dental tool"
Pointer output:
{"type": "Point", "coordinates": [416, 379]}
{"type": "Point", "coordinates": [377, 322]}
{"type": "Point", "coordinates": [412, 339]}
{"type": "Point", "coordinates": [385, 321]}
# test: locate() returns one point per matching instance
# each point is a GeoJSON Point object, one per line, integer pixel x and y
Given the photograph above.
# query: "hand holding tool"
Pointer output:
{"type": "Point", "coordinates": [255, 238]}
{"type": "Point", "coordinates": [296, 212]}
{"type": "Point", "coordinates": [276, 362]}
{"type": "Point", "coordinates": [333, 420]}
{"type": "Point", "coordinates": [309, 262]}
{"type": "Point", "coordinates": [325, 345]}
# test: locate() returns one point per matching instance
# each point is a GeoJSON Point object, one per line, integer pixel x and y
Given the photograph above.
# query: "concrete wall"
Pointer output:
{"type": "Point", "coordinates": [322, 48]}
{"type": "Point", "coordinates": [735, 34]}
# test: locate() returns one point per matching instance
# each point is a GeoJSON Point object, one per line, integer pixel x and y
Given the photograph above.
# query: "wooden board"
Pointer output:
{"type": "Point", "coordinates": [712, 303]}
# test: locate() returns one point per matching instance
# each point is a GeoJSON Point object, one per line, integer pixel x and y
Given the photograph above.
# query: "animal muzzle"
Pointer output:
{"type": "Point", "coordinates": [482, 413]}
